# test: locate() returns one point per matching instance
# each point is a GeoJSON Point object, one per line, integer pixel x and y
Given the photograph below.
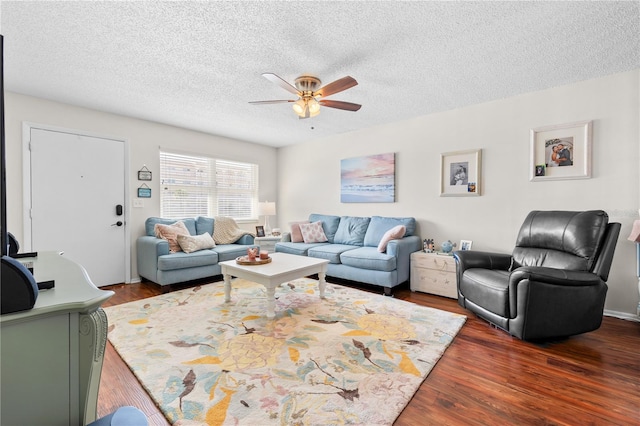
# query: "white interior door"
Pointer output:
{"type": "Point", "coordinates": [77, 182]}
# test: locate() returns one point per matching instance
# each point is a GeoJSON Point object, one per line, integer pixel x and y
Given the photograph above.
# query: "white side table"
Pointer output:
{"type": "Point", "coordinates": [433, 273]}
{"type": "Point", "coordinates": [267, 243]}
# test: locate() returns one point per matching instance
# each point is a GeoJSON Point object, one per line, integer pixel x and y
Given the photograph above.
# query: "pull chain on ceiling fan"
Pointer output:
{"type": "Point", "coordinates": [309, 99]}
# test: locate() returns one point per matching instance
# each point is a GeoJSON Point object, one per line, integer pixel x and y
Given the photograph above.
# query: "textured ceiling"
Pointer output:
{"type": "Point", "coordinates": [197, 64]}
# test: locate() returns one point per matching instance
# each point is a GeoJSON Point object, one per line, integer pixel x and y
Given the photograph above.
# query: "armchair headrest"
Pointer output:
{"type": "Point", "coordinates": [561, 239]}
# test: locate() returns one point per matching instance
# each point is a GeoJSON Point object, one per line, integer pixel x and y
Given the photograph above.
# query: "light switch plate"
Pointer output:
{"type": "Point", "coordinates": [138, 203]}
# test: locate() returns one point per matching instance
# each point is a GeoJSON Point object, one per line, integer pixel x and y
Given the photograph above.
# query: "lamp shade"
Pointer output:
{"type": "Point", "coordinates": [266, 208]}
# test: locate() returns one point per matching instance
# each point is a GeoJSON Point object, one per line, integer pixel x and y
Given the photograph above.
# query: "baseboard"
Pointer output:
{"type": "Point", "coordinates": [136, 280]}
{"type": "Point", "coordinates": [622, 315]}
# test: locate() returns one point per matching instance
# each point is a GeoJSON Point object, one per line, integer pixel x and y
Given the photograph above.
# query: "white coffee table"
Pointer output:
{"type": "Point", "coordinates": [283, 268]}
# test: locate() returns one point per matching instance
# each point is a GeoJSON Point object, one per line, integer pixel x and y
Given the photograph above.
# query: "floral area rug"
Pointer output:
{"type": "Point", "coordinates": [351, 358]}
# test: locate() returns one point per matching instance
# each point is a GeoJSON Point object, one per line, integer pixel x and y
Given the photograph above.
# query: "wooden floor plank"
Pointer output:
{"type": "Point", "coordinates": [485, 376]}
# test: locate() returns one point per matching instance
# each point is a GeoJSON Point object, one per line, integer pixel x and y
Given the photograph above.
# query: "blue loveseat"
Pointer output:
{"type": "Point", "coordinates": [157, 264]}
{"type": "Point", "coordinates": [352, 248]}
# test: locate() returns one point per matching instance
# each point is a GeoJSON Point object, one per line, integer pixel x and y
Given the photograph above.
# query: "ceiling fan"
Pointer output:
{"type": "Point", "coordinates": [310, 94]}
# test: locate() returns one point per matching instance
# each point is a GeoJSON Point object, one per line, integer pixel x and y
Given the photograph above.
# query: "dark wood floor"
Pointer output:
{"type": "Point", "coordinates": [485, 377]}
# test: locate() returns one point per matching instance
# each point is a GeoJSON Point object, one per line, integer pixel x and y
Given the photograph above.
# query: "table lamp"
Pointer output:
{"type": "Point", "coordinates": [266, 209]}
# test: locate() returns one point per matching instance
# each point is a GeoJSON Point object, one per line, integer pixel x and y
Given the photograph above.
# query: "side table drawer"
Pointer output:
{"type": "Point", "coordinates": [433, 281]}
{"type": "Point", "coordinates": [434, 261]}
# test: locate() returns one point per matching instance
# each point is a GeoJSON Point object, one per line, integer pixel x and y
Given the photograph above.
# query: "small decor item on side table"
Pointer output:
{"type": "Point", "coordinates": [447, 247]}
{"type": "Point", "coordinates": [465, 245]}
{"type": "Point", "coordinates": [428, 245]}
{"type": "Point", "coordinates": [260, 231]}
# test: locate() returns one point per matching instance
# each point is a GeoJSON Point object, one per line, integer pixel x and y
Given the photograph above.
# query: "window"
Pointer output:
{"type": "Point", "coordinates": [201, 186]}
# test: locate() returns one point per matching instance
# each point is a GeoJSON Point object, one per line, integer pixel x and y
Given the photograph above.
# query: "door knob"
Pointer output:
{"type": "Point", "coordinates": [118, 223]}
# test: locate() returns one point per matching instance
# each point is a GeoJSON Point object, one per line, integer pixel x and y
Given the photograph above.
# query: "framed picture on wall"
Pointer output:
{"type": "Point", "coordinates": [460, 173]}
{"type": "Point", "coordinates": [561, 151]}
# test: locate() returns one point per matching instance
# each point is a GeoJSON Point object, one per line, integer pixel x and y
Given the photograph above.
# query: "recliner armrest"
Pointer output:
{"type": "Point", "coordinates": [468, 259]}
{"type": "Point", "coordinates": [552, 276]}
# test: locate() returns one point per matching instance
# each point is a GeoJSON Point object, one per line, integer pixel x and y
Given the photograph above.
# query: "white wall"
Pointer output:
{"type": "Point", "coordinates": [309, 174]}
{"type": "Point", "coordinates": [144, 138]}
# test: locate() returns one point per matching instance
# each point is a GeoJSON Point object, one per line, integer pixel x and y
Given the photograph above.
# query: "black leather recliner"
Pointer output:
{"type": "Point", "coordinates": [552, 285]}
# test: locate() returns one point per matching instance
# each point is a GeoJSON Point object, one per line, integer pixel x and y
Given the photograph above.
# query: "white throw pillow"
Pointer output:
{"type": "Point", "coordinates": [313, 232]}
{"type": "Point", "coordinates": [394, 233]}
{"type": "Point", "coordinates": [190, 244]}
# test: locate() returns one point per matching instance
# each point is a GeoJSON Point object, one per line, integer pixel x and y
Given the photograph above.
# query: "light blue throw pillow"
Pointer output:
{"type": "Point", "coordinates": [379, 225]}
{"type": "Point", "coordinates": [351, 230]}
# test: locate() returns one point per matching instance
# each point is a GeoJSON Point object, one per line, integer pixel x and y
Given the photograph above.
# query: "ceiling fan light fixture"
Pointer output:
{"type": "Point", "coordinates": [299, 107]}
{"type": "Point", "coordinates": [314, 107]}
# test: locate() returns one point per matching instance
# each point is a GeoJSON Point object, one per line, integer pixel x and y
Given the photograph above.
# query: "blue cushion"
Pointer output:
{"type": "Point", "coordinates": [183, 260]}
{"type": "Point", "coordinates": [330, 252]}
{"type": "Point", "coordinates": [351, 230]}
{"type": "Point", "coordinates": [368, 258]}
{"type": "Point", "coordinates": [150, 223]}
{"type": "Point", "coordinates": [379, 225]}
{"type": "Point", "coordinates": [329, 224]}
{"type": "Point", "coordinates": [204, 224]}
{"type": "Point", "coordinates": [299, 249]}
{"type": "Point", "coordinates": [230, 251]}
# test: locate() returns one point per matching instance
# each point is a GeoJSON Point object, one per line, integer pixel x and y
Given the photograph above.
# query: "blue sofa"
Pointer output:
{"type": "Point", "coordinates": [156, 264]}
{"type": "Point", "coordinates": [352, 249]}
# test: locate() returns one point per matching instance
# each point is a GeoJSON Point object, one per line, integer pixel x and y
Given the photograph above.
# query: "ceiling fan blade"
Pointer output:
{"type": "Point", "coordinates": [340, 105]}
{"type": "Point", "coordinates": [282, 83]}
{"type": "Point", "coordinates": [271, 102]}
{"type": "Point", "coordinates": [337, 86]}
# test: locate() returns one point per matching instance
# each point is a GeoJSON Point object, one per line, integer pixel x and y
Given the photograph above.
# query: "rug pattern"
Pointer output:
{"type": "Point", "coordinates": [351, 358]}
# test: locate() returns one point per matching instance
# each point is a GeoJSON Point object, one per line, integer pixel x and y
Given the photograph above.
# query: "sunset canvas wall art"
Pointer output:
{"type": "Point", "coordinates": [369, 179]}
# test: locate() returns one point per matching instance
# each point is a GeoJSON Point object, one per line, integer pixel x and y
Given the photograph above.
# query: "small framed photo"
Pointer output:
{"type": "Point", "coordinates": [260, 231]}
{"type": "Point", "coordinates": [561, 151]}
{"type": "Point", "coordinates": [465, 245]}
{"type": "Point", "coordinates": [460, 173]}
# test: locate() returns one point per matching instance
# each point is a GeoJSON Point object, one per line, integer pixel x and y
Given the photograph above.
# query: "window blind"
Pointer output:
{"type": "Point", "coordinates": [203, 186]}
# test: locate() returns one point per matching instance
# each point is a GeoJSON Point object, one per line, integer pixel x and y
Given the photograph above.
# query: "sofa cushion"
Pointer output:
{"type": "Point", "coordinates": [329, 224]}
{"type": "Point", "coordinates": [170, 233]}
{"type": "Point", "coordinates": [313, 232]}
{"type": "Point", "coordinates": [189, 243]}
{"type": "Point", "coordinates": [368, 258]}
{"type": "Point", "coordinates": [330, 252]}
{"type": "Point", "coordinates": [351, 230]}
{"type": "Point", "coordinates": [204, 224]}
{"type": "Point", "coordinates": [394, 233]}
{"type": "Point", "coordinates": [379, 225]}
{"type": "Point", "coordinates": [230, 251]}
{"type": "Point", "coordinates": [299, 249]}
{"type": "Point", "coordinates": [150, 223]}
{"type": "Point", "coordinates": [296, 234]}
{"type": "Point", "coordinates": [181, 260]}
